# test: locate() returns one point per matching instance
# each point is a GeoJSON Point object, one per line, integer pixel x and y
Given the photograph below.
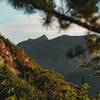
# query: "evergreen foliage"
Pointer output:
{"type": "Point", "coordinates": [39, 84]}
{"type": "Point", "coordinates": [65, 13]}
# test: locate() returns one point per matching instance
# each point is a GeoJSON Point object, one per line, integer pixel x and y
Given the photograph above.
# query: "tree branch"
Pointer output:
{"type": "Point", "coordinates": [78, 22]}
{"type": "Point", "coordinates": [43, 6]}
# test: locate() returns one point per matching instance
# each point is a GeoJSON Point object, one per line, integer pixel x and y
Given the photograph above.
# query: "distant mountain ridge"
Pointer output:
{"type": "Point", "coordinates": [48, 53]}
{"type": "Point", "coordinates": [51, 54]}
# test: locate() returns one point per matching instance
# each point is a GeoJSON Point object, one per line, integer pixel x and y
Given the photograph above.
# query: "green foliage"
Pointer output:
{"type": "Point", "coordinates": [83, 7]}
{"type": "Point", "coordinates": [39, 84]}
{"type": "Point", "coordinates": [83, 92]}
{"type": "Point", "coordinates": [51, 83]}
{"type": "Point", "coordinates": [14, 87]}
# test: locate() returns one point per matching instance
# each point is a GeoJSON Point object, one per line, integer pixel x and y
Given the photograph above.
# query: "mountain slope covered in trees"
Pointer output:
{"type": "Point", "coordinates": [22, 79]}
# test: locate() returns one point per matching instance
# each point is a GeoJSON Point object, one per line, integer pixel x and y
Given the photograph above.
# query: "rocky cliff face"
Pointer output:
{"type": "Point", "coordinates": [14, 57]}
{"type": "Point", "coordinates": [5, 55]}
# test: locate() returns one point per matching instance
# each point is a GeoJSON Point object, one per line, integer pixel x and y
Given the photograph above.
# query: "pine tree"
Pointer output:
{"type": "Point", "coordinates": [65, 13]}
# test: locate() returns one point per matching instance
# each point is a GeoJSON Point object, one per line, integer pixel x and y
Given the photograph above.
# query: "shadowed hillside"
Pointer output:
{"type": "Point", "coordinates": [51, 54]}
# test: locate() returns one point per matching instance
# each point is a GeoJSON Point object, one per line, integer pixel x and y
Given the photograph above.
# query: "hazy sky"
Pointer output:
{"type": "Point", "coordinates": [18, 27]}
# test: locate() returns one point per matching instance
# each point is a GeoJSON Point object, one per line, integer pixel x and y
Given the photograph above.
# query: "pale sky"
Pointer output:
{"type": "Point", "coordinates": [18, 27]}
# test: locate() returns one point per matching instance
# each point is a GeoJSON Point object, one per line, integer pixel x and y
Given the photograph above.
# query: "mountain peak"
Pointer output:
{"type": "Point", "coordinates": [43, 37]}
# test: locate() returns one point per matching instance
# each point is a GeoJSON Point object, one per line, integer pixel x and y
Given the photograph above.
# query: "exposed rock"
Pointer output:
{"type": "Point", "coordinates": [13, 56]}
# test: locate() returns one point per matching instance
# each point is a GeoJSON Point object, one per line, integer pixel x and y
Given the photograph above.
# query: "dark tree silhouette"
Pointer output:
{"type": "Point", "coordinates": [80, 12]}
